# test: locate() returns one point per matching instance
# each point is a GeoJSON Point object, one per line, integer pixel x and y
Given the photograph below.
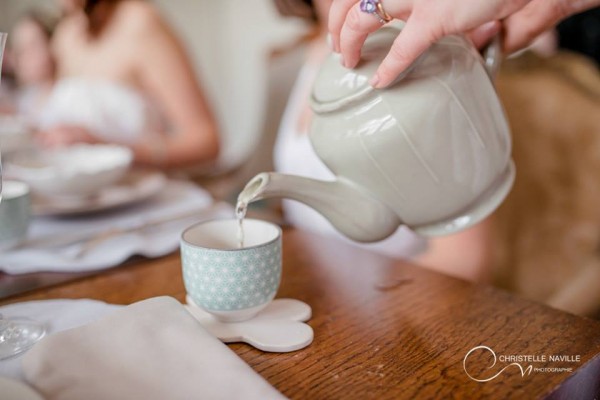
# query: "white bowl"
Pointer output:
{"type": "Point", "coordinates": [12, 125]}
{"type": "Point", "coordinates": [75, 171]}
{"type": "Point", "coordinates": [14, 134]}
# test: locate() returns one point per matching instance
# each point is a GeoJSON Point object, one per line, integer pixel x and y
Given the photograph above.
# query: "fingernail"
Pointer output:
{"type": "Point", "coordinates": [374, 81]}
{"type": "Point", "coordinates": [492, 27]}
{"type": "Point", "coordinates": [343, 61]}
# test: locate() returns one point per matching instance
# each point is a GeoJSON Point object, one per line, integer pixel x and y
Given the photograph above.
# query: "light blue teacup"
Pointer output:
{"type": "Point", "coordinates": [230, 282]}
{"type": "Point", "coordinates": [15, 213]}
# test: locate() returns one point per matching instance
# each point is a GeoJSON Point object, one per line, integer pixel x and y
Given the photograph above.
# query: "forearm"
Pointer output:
{"type": "Point", "coordinates": [466, 254]}
{"type": "Point", "coordinates": [181, 150]}
{"type": "Point", "coordinates": [580, 294]}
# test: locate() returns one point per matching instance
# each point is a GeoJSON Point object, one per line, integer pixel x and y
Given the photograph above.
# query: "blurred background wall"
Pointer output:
{"type": "Point", "coordinates": [229, 42]}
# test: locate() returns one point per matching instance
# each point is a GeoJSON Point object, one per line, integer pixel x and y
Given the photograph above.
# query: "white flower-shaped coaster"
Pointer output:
{"type": "Point", "coordinates": [279, 328]}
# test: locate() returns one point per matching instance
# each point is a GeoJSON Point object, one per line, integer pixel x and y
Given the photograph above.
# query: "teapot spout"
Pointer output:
{"type": "Point", "coordinates": [349, 209]}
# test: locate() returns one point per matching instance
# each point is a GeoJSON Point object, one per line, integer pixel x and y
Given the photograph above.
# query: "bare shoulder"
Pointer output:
{"type": "Point", "coordinates": [139, 15]}
{"type": "Point", "coordinates": [69, 25]}
{"type": "Point", "coordinates": [143, 32]}
{"type": "Point", "coordinates": [66, 32]}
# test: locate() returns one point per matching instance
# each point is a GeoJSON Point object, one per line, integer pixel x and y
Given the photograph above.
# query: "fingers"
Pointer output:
{"type": "Point", "coordinates": [483, 35]}
{"type": "Point", "coordinates": [538, 16]}
{"type": "Point", "coordinates": [354, 32]}
{"type": "Point", "coordinates": [413, 40]}
{"type": "Point", "coordinates": [347, 22]}
{"type": "Point", "coordinates": [524, 26]}
{"type": "Point", "coordinates": [337, 15]}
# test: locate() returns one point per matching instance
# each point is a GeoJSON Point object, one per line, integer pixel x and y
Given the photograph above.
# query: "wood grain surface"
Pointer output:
{"type": "Point", "coordinates": [386, 329]}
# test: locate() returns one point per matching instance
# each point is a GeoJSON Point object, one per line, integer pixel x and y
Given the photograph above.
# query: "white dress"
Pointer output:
{"type": "Point", "coordinates": [112, 111]}
{"type": "Point", "coordinates": [30, 102]}
{"type": "Point", "coordinates": [294, 155]}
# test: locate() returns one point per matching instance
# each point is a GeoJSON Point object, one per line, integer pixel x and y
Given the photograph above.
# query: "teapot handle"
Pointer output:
{"type": "Point", "coordinates": [492, 56]}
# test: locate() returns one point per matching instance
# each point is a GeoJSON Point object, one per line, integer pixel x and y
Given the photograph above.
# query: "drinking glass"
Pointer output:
{"type": "Point", "coordinates": [16, 334]}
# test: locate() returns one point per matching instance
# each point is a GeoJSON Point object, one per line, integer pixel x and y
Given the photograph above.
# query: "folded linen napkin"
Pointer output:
{"type": "Point", "coordinates": [177, 198]}
{"type": "Point", "coordinates": [153, 349]}
{"type": "Point", "coordinates": [56, 315]}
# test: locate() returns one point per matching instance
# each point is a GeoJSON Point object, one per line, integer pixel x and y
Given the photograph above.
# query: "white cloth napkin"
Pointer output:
{"type": "Point", "coordinates": [56, 315]}
{"type": "Point", "coordinates": [177, 198]}
{"type": "Point", "coordinates": [153, 349]}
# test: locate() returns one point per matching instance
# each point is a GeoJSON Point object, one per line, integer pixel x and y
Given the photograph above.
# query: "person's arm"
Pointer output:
{"type": "Point", "coordinates": [579, 295]}
{"type": "Point", "coordinates": [466, 255]}
{"type": "Point", "coordinates": [167, 75]}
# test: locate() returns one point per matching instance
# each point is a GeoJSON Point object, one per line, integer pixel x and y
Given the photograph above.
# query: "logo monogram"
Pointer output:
{"type": "Point", "coordinates": [524, 371]}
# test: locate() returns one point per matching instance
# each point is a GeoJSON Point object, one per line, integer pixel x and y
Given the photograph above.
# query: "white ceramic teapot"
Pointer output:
{"type": "Point", "coordinates": [432, 151]}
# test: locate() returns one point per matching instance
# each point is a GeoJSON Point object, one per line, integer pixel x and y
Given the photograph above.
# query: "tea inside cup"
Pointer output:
{"type": "Point", "coordinates": [232, 283]}
{"type": "Point", "coordinates": [222, 234]}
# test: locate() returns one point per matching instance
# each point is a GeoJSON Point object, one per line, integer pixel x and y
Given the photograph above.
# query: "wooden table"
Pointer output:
{"type": "Point", "coordinates": [387, 329]}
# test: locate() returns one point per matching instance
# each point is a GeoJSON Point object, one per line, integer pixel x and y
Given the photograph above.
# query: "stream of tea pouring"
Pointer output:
{"type": "Point", "coordinates": [240, 213]}
{"type": "Point", "coordinates": [246, 196]}
{"type": "Point", "coordinates": [251, 192]}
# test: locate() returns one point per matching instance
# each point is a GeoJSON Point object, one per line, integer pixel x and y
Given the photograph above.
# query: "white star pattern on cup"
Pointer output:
{"type": "Point", "coordinates": [221, 280]}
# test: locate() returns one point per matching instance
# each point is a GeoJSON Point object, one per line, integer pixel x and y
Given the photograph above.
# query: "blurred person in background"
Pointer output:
{"type": "Point", "coordinates": [33, 63]}
{"type": "Point", "coordinates": [124, 77]}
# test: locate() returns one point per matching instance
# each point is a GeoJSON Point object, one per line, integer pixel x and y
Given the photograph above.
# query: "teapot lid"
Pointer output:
{"type": "Point", "coordinates": [336, 86]}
